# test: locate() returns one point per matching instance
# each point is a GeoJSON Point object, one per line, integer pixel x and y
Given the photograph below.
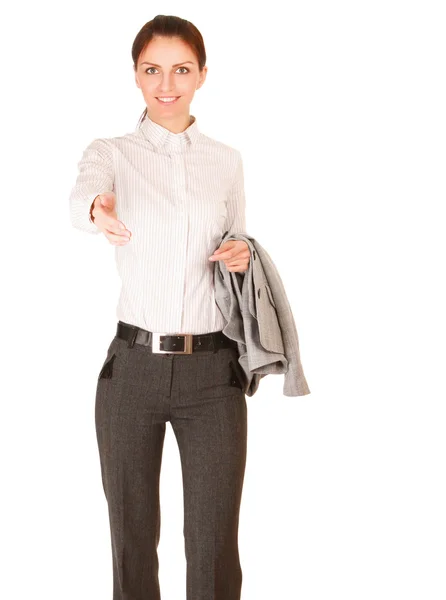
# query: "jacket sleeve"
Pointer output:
{"type": "Point", "coordinates": [95, 176]}
{"type": "Point", "coordinates": [236, 205]}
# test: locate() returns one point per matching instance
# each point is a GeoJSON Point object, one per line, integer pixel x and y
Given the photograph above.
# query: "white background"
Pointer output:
{"type": "Point", "coordinates": [338, 109]}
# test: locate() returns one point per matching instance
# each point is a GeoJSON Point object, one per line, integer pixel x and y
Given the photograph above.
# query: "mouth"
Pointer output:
{"type": "Point", "coordinates": [168, 99]}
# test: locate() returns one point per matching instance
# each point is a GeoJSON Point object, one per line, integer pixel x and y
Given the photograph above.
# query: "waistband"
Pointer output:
{"type": "Point", "coordinates": [173, 343]}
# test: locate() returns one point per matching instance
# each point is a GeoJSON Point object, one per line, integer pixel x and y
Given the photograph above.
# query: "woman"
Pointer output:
{"type": "Point", "coordinates": [176, 192]}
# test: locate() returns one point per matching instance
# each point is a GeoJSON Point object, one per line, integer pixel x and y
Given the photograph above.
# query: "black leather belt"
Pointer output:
{"type": "Point", "coordinates": [177, 343]}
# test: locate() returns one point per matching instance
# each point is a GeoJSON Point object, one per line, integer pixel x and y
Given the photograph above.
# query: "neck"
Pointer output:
{"type": "Point", "coordinates": [176, 124]}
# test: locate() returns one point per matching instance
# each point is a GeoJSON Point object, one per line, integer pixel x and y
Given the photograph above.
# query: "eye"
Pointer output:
{"type": "Point", "coordinates": [150, 68]}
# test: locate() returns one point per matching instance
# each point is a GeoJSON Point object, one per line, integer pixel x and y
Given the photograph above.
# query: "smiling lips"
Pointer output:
{"type": "Point", "coordinates": [168, 100]}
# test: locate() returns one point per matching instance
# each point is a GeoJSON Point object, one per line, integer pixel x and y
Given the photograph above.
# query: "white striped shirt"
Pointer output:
{"type": "Point", "coordinates": [177, 193]}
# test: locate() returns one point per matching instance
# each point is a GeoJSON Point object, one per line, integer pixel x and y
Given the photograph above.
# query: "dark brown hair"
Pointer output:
{"type": "Point", "coordinates": [168, 26]}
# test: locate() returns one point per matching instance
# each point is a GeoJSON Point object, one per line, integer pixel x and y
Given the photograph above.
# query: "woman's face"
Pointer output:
{"type": "Point", "coordinates": [168, 67]}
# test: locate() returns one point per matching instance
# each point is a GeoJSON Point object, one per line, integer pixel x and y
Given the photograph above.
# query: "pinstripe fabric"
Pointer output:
{"type": "Point", "coordinates": [178, 194]}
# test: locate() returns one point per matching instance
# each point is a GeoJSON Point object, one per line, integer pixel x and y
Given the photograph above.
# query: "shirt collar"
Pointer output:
{"type": "Point", "coordinates": [159, 136]}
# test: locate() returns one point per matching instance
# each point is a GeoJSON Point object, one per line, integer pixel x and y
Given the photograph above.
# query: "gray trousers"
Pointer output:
{"type": "Point", "coordinates": [200, 395]}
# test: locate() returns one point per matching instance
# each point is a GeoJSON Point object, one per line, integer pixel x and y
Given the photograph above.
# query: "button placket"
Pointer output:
{"type": "Point", "coordinates": [176, 153]}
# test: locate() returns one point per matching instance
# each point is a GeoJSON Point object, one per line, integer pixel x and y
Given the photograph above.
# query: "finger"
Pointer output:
{"type": "Point", "coordinates": [117, 240]}
{"type": "Point", "coordinates": [242, 255]}
{"type": "Point", "coordinates": [223, 255]}
{"type": "Point", "coordinates": [237, 263]}
{"type": "Point", "coordinates": [236, 269]}
{"type": "Point", "coordinates": [226, 246]}
{"type": "Point", "coordinates": [116, 227]}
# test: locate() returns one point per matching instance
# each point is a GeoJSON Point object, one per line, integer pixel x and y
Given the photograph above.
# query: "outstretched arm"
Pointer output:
{"type": "Point", "coordinates": [95, 177]}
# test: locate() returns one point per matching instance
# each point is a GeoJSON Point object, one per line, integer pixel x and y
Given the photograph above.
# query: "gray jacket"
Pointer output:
{"type": "Point", "coordinates": [260, 320]}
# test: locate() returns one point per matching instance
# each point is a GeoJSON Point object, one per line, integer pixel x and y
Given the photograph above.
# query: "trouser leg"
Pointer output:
{"type": "Point", "coordinates": [130, 427]}
{"type": "Point", "coordinates": [209, 419]}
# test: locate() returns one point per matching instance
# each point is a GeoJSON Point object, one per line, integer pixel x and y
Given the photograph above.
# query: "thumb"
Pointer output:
{"type": "Point", "coordinates": [108, 200]}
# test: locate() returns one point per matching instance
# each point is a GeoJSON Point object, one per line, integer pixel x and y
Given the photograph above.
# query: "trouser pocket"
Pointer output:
{"type": "Point", "coordinates": [235, 379]}
{"type": "Point", "coordinates": [107, 369]}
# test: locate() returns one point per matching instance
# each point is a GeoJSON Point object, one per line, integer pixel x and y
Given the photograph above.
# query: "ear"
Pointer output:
{"type": "Point", "coordinates": [202, 77]}
{"type": "Point", "coordinates": [137, 80]}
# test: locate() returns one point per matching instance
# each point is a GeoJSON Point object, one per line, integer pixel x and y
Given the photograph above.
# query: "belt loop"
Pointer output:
{"type": "Point", "coordinates": [214, 343]}
{"type": "Point", "coordinates": [131, 341]}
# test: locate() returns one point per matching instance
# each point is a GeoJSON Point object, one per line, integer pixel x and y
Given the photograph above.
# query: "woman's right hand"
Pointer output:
{"type": "Point", "coordinates": [103, 214]}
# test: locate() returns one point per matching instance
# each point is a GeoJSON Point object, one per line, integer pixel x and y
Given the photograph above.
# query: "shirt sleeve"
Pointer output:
{"type": "Point", "coordinates": [236, 205]}
{"type": "Point", "coordinates": [95, 176]}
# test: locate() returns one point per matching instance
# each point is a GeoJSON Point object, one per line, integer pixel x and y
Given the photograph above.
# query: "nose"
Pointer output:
{"type": "Point", "coordinates": [166, 83]}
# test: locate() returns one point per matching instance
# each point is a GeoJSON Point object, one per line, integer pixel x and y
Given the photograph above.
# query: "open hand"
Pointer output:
{"type": "Point", "coordinates": [103, 214]}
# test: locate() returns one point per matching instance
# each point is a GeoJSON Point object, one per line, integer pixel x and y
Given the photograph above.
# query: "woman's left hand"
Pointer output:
{"type": "Point", "coordinates": [235, 254]}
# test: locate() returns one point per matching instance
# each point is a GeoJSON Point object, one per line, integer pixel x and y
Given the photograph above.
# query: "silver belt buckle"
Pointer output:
{"type": "Point", "coordinates": [156, 343]}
